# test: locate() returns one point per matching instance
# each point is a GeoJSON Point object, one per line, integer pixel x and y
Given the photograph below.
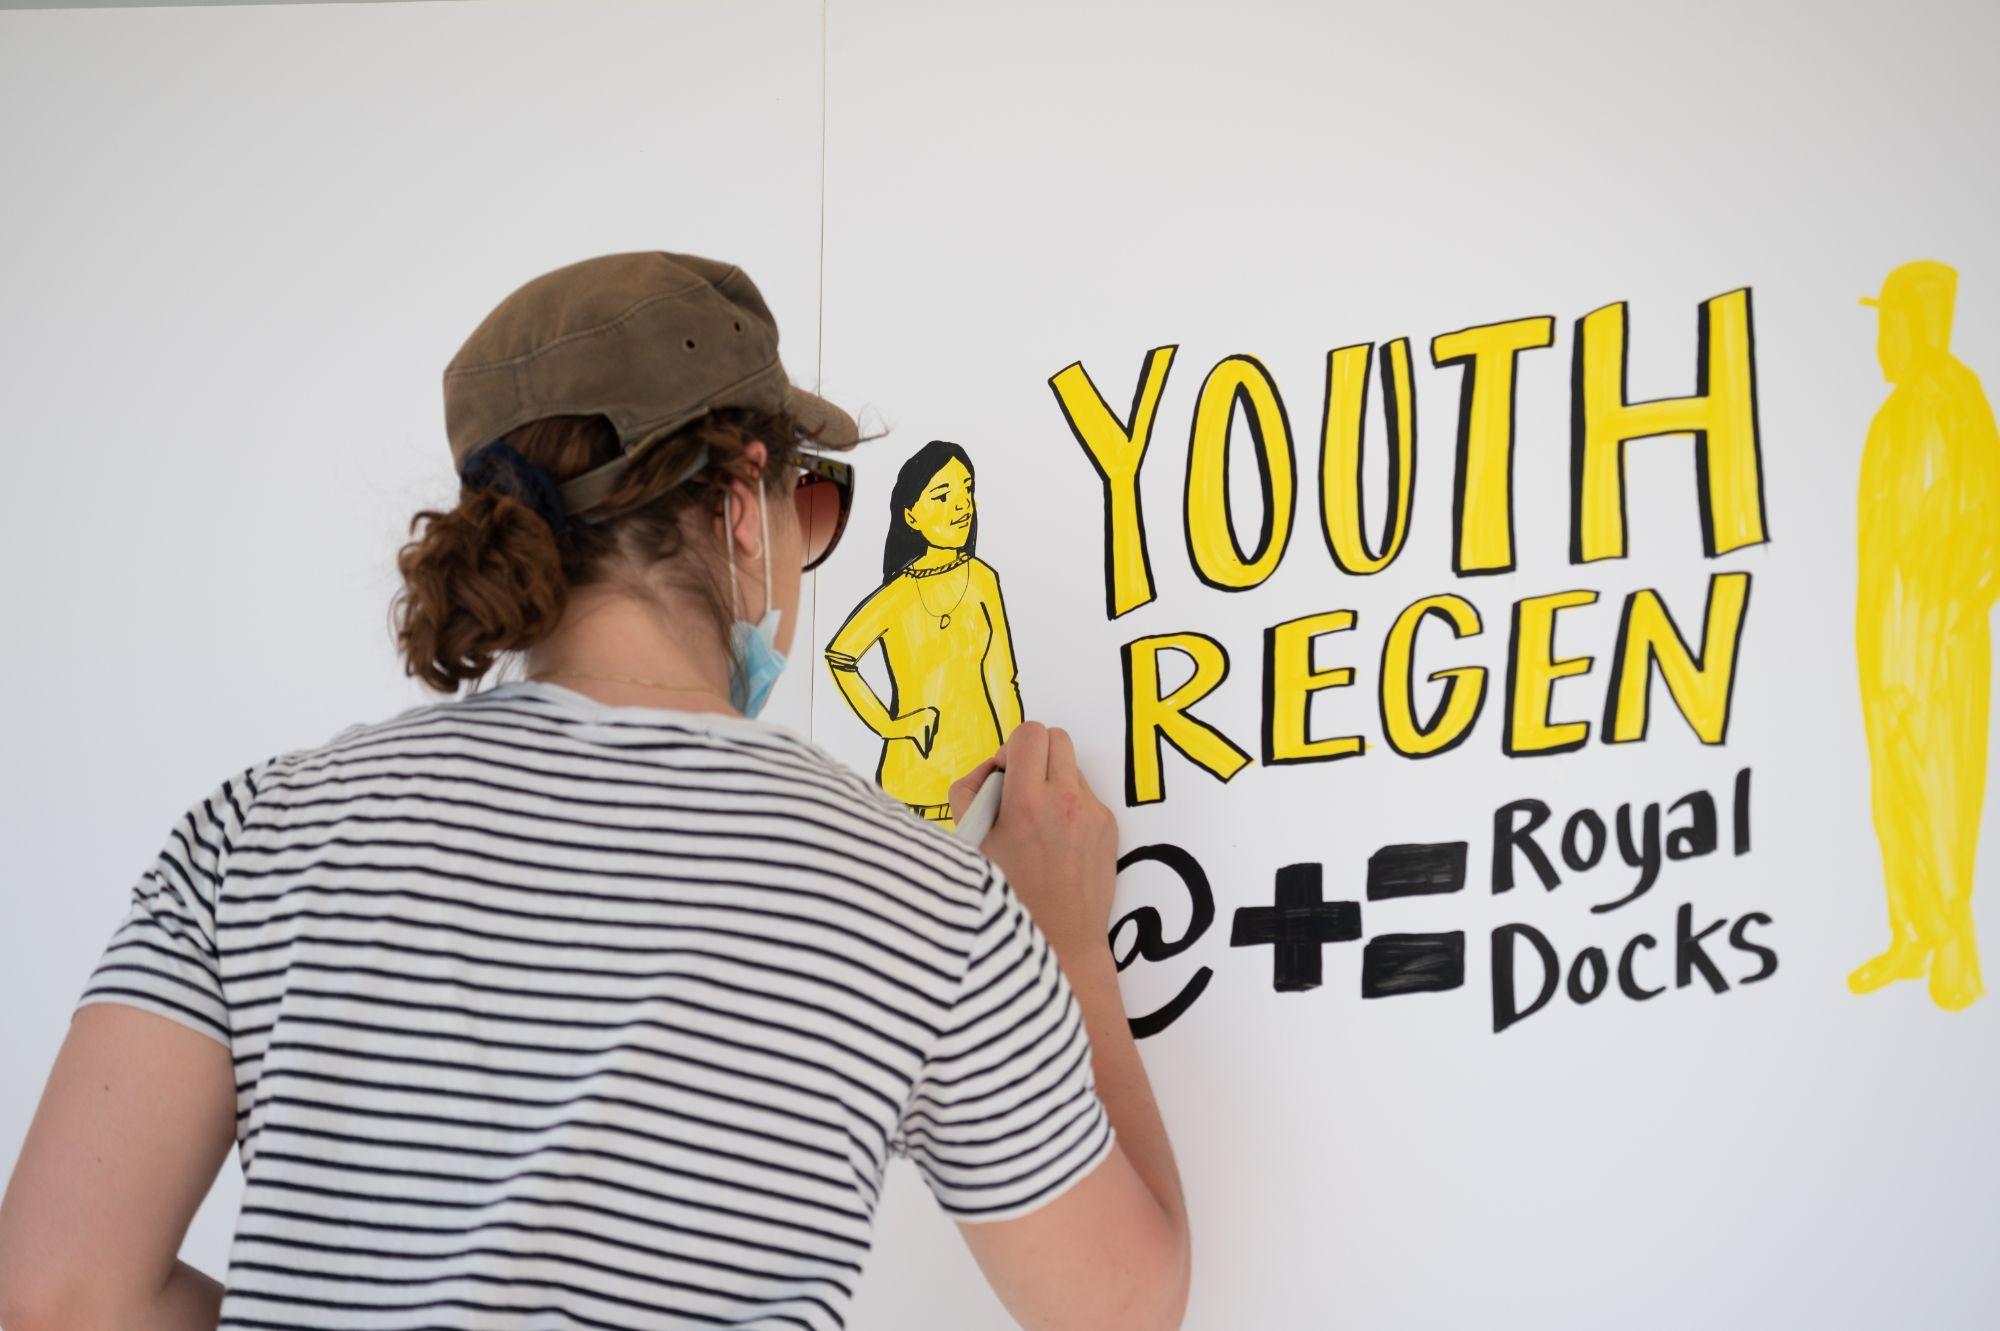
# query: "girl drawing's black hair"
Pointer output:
{"type": "Point", "coordinates": [904, 542]}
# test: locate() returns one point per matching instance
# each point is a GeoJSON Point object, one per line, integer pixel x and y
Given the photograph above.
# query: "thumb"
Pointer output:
{"type": "Point", "coordinates": [963, 789]}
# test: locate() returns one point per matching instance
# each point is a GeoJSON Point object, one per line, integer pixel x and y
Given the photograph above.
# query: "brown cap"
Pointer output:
{"type": "Point", "coordinates": [648, 339]}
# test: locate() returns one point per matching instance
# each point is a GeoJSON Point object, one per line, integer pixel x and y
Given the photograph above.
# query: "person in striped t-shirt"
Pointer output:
{"type": "Point", "coordinates": [589, 998]}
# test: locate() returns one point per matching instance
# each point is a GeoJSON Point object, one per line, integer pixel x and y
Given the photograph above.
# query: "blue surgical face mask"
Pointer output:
{"type": "Point", "coordinates": [757, 662]}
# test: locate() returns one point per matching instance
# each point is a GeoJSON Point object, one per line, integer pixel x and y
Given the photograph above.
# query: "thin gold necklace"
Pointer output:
{"type": "Point", "coordinates": [944, 616]}
{"type": "Point", "coordinates": [628, 679]}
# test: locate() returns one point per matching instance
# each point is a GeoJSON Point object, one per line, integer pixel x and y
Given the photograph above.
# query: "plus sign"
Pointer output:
{"type": "Point", "coordinates": [1296, 926]}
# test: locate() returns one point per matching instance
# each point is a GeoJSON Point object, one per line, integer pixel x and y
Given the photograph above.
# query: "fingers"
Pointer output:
{"type": "Point", "coordinates": [1062, 757]}
{"type": "Point", "coordinates": [1028, 753]}
{"type": "Point", "coordinates": [1027, 762]}
{"type": "Point", "coordinates": [963, 789]}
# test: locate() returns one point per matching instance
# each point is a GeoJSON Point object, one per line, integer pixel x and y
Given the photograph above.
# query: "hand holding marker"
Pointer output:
{"type": "Point", "coordinates": [985, 807]}
{"type": "Point", "coordinates": [1030, 810]}
{"type": "Point", "coordinates": [1055, 845]}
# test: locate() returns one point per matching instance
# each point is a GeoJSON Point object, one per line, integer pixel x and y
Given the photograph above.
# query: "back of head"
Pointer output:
{"type": "Point", "coordinates": [595, 416]}
{"type": "Point", "coordinates": [1915, 310]}
{"type": "Point", "coordinates": [490, 576]}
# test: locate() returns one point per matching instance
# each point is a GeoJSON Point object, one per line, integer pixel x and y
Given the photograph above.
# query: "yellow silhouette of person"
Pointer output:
{"type": "Point", "coordinates": [938, 615]}
{"type": "Point", "coordinates": [1929, 547]}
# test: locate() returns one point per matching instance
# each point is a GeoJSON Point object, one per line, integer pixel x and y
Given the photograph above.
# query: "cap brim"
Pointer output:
{"type": "Point", "coordinates": [826, 422]}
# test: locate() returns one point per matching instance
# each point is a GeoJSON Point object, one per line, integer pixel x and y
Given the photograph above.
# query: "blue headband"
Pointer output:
{"type": "Point", "coordinates": [499, 466]}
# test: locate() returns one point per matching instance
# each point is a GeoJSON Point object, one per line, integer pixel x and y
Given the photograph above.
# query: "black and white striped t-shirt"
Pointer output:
{"type": "Point", "coordinates": [550, 1013]}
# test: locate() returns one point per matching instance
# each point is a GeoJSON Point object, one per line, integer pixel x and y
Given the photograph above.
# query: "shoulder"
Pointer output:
{"type": "Point", "coordinates": [305, 762]}
{"type": "Point", "coordinates": [983, 574]}
{"type": "Point", "coordinates": [893, 588]}
{"type": "Point", "coordinates": [436, 714]}
{"type": "Point", "coordinates": [208, 828]}
{"type": "Point", "coordinates": [1966, 386]}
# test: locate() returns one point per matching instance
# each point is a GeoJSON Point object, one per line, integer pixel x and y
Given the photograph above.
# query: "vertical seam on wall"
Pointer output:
{"type": "Point", "coordinates": [819, 369]}
{"type": "Point", "coordinates": [819, 349]}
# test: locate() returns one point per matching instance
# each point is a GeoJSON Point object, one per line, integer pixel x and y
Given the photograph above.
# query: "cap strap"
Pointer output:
{"type": "Point", "coordinates": [580, 492]}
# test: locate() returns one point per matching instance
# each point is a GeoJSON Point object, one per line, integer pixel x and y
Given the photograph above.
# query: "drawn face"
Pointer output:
{"type": "Point", "coordinates": [942, 514]}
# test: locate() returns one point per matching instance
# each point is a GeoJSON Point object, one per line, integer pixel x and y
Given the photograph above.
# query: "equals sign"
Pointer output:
{"type": "Point", "coordinates": [1414, 963]}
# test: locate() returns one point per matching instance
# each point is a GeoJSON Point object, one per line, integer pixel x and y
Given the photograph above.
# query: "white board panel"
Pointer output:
{"type": "Point", "coordinates": [1020, 190]}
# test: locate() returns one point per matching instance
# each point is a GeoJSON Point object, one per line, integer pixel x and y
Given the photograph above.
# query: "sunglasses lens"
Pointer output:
{"type": "Point", "coordinates": [822, 510]}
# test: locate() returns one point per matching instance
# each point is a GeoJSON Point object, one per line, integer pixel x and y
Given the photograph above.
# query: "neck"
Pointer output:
{"type": "Point", "coordinates": [936, 555]}
{"type": "Point", "coordinates": [606, 632]}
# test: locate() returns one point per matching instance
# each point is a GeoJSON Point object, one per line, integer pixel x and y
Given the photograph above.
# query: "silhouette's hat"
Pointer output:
{"type": "Point", "coordinates": [1919, 282]}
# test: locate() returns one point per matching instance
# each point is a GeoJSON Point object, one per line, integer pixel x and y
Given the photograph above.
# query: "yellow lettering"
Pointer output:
{"type": "Point", "coordinates": [1700, 686]}
{"type": "Point", "coordinates": [1289, 683]}
{"type": "Point", "coordinates": [1482, 501]}
{"type": "Point", "coordinates": [1211, 535]}
{"type": "Point", "coordinates": [1149, 717]}
{"type": "Point", "coordinates": [1721, 416]}
{"type": "Point", "coordinates": [1116, 449]}
{"type": "Point", "coordinates": [1531, 673]}
{"type": "Point", "coordinates": [1340, 453]}
{"type": "Point", "coordinates": [1457, 709]}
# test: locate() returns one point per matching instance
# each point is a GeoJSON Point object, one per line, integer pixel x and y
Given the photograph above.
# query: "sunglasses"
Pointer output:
{"type": "Point", "coordinates": [824, 495]}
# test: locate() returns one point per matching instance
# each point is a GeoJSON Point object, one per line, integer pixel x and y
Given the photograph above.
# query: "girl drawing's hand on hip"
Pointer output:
{"type": "Point", "coordinates": [920, 726]}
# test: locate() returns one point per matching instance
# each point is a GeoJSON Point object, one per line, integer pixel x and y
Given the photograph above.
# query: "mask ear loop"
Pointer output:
{"type": "Point", "coordinates": [764, 524]}
{"type": "Point", "coordinates": [729, 542]}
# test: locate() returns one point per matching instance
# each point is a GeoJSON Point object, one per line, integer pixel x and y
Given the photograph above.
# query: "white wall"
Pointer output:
{"type": "Point", "coordinates": [240, 247]}
{"type": "Point", "coordinates": [1019, 187]}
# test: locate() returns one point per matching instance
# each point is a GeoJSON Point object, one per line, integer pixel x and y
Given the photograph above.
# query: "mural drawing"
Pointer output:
{"type": "Point", "coordinates": [1929, 537]}
{"type": "Point", "coordinates": [953, 696]}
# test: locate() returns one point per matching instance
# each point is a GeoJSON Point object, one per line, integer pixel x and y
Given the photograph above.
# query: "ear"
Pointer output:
{"type": "Point", "coordinates": [746, 530]}
{"type": "Point", "coordinates": [909, 519]}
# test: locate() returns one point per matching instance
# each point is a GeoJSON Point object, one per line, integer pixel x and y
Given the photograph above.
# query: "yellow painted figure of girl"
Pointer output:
{"type": "Point", "coordinates": [953, 696]}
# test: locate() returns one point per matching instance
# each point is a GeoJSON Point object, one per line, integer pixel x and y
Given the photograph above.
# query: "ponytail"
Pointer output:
{"type": "Point", "coordinates": [490, 577]}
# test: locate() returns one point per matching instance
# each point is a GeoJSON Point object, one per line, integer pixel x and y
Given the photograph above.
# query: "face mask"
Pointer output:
{"type": "Point", "coordinates": [754, 647]}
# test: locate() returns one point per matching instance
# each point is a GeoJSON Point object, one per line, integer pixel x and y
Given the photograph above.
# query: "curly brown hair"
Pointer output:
{"type": "Point", "coordinates": [490, 577]}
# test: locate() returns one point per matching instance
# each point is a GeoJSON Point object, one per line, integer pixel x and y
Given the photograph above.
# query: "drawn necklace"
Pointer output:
{"type": "Point", "coordinates": [944, 616]}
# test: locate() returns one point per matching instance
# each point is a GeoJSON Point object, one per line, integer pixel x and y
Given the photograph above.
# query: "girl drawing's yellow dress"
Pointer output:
{"type": "Point", "coordinates": [938, 615]}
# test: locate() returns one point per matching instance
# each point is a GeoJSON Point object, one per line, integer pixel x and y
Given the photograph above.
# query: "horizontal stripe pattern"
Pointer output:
{"type": "Point", "coordinates": [548, 1013]}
